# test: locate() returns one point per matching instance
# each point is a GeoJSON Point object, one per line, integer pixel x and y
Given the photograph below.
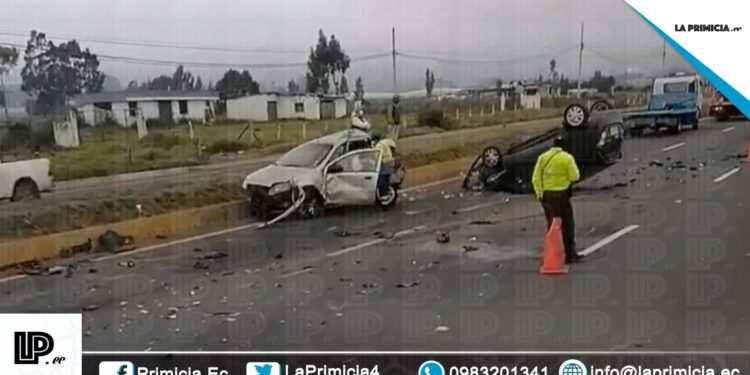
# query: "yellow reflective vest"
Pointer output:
{"type": "Point", "coordinates": [384, 146]}
{"type": "Point", "coordinates": [555, 170]}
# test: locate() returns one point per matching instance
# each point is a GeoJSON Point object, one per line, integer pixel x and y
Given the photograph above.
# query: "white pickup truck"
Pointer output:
{"type": "Point", "coordinates": [24, 179]}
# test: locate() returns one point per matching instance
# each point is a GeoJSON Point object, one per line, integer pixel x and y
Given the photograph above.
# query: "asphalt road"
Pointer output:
{"type": "Point", "coordinates": [665, 270]}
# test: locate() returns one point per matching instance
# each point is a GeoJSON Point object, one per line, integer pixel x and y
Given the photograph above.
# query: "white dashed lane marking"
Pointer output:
{"type": "Point", "coordinates": [727, 175]}
{"type": "Point", "coordinates": [607, 240]}
{"type": "Point", "coordinates": [673, 147]}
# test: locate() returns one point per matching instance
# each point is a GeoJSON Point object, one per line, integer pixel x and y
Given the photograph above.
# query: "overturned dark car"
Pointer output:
{"type": "Point", "coordinates": [595, 141]}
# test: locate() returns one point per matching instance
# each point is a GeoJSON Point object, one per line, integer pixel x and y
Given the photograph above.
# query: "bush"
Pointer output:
{"type": "Point", "coordinates": [109, 122]}
{"type": "Point", "coordinates": [433, 115]}
{"type": "Point", "coordinates": [225, 145]}
{"type": "Point", "coordinates": [163, 140]}
{"type": "Point", "coordinates": [159, 123]}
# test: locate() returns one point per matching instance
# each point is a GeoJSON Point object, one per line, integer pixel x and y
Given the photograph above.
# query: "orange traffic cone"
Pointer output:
{"type": "Point", "coordinates": [553, 257]}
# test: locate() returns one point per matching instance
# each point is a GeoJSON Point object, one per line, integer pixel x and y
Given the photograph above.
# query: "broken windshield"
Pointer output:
{"type": "Point", "coordinates": [307, 155]}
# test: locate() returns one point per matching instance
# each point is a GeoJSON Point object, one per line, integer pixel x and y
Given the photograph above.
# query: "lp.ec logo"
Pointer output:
{"type": "Point", "coordinates": [30, 346]}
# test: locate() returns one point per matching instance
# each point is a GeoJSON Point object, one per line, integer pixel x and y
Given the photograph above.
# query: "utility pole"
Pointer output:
{"type": "Point", "coordinates": [393, 51]}
{"type": "Point", "coordinates": [580, 64]}
{"type": "Point", "coordinates": [4, 98]}
{"type": "Point", "coordinates": [663, 54]}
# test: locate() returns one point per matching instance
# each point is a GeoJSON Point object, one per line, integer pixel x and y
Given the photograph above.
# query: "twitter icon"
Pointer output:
{"type": "Point", "coordinates": [263, 368]}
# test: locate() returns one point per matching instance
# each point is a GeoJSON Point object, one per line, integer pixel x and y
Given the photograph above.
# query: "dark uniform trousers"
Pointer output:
{"type": "Point", "coordinates": [557, 204]}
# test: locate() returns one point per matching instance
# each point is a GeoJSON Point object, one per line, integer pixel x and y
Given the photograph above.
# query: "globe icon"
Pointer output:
{"type": "Point", "coordinates": [572, 369]}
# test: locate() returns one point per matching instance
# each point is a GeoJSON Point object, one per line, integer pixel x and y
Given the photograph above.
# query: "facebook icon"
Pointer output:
{"type": "Point", "coordinates": [116, 368]}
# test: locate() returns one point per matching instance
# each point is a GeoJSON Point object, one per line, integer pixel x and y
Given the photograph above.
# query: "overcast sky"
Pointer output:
{"type": "Point", "coordinates": [519, 36]}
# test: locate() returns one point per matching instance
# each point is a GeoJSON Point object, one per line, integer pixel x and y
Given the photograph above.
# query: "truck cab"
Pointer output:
{"type": "Point", "coordinates": [674, 103]}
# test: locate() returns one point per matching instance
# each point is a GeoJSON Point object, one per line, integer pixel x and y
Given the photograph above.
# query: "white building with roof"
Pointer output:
{"type": "Point", "coordinates": [125, 106]}
{"type": "Point", "coordinates": [277, 106]}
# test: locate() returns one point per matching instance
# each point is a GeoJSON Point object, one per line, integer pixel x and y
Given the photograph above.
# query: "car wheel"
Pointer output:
{"type": "Point", "coordinates": [600, 106]}
{"type": "Point", "coordinates": [388, 200]}
{"type": "Point", "coordinates": [25, 188]}
{"type": "Point", "coordinates": [472, 180]}
{"type": "Point", "coordinates": [636, 132]}
{"type": "Point", "coordinates": [575, 116]}
{"type": "Point", "coordinates": [313, 206]}
{"type": "Point", "coordinates": [257, 209]}
{"type": "Point", "coordinates": [492, 157]}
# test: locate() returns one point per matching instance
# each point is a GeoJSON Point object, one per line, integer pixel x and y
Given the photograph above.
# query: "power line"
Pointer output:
{"type": "Point", "coordinates": [156, 44]}
{"type": "Point", "coordinates": [204, 64]}
{"type": "Point", "coordinates": [183, 46]}
{"type": "Point", "coordinates": [454, 61]}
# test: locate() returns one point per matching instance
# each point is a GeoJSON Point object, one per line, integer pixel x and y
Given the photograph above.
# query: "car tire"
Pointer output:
{"type": "Point", "coordinates": [390, 200]}
{"type": "Point", "coordinates": [492, 157]}
{"type": "Point", "coordinates": [314, 205]}
{"type": "Point", "coordinates": [23, 189]}
{"type": "Point", "coordinates": [636, 132]}
{"type": "Point", "coordinates": [575, 116]}
{"type": "Point", "coordinates": [600, 106]}
{"type": "Point", "coordinates": [258, 210]}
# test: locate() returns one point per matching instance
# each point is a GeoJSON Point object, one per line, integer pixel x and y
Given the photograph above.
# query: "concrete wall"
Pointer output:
{"type": "Point", "coordinates": [285, 107]}
{"type": "Point", "coordinates": [196, 110]}
{"type": "Point", "coordinates": [253, 107]}
{"type": "Point", "coordinates": [531, 101]}
{"type": "Point", "coordinates": [149, 109]}
{"type": "Point", "coordinates": [340, 107]}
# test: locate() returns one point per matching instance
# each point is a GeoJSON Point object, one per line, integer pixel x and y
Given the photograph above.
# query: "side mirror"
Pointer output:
{"type": "Point", "coordinates": [335, 168]}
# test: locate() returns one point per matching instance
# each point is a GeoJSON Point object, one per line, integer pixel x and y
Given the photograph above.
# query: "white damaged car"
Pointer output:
{"type": "Point", "coordinates": [335, 170]}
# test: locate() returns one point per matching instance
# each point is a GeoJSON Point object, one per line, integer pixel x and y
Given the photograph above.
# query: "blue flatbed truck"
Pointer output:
{"type": "Point", "coordinates": [674, 104]}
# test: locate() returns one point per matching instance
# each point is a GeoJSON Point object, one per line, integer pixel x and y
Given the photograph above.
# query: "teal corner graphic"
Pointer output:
{"type": "Point", "coordinates": [739, 100]}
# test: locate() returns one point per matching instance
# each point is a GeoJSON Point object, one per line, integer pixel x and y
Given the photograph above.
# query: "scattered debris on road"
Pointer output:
{"type": "Point", "coordinates": [470, 248]}
{"type": "Point", "coordinates": [443, 237]}
{"type": "Point", "coordinates": [113, 242]}
{"type": "Point", "coordinates": [213, 255]}
{"type": "Point", "coordinates": [383, 235]}
{"type": "Point", "coordinates": [77, 249]}
{"type": "Point", "coordinates": [481, 222]}
{"type": "Point", "coordinates": [408, 285]}
{"type": "Point", "coordinates": [126, 264]}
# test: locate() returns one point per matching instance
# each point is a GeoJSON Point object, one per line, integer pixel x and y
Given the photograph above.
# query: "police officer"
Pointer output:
{"type": "Point", "coordinates": [554, 174]}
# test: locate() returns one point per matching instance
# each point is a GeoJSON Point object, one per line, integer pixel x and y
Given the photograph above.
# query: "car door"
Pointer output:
{"type": "Point", "coordinates": [351, 179]}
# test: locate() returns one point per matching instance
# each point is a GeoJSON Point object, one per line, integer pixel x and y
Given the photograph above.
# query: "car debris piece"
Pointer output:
{"type": "Point", "coordinates": [384, 235]}
{"type": "Point", "coordinates": [470, 248]}
{"type": "Point", "coordinates": [481, 222]}
{"type": "Point", "coordinates": [126, 264]}
{"type": "Point", "coordinates": [91, 307]}
{"type": "Point", "coordinates": [213, 255]}
{"type": "Point", "coordinates": [113, 242]}
{"type": "Point", "coordinates": [77, 249]}
{"type": "Point", "coordinates": [440, 329]}
{"type": "Point", "coordinates": [407, 285]}
{"type": "Point", "coordinates": [443, 237]}
{"type": "Point", "coordinates": [343, 233]}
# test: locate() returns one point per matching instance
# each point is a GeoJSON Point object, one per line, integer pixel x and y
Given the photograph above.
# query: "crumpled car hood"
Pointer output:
{"type": "Point", "coordinates": [272, 174]}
